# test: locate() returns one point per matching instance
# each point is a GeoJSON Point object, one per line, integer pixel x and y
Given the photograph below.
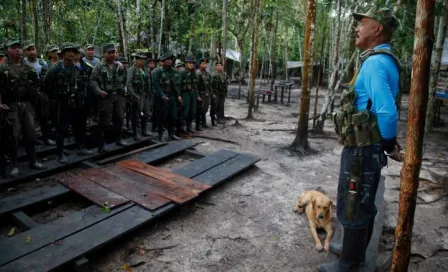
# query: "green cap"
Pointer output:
{"type": "Point", "coordinates": [28, 44]}
{"type": "Point", "coordinates": [68, 46]}
{"type": "Point", "coordinates": [167, 55]}
{"type": "Point", "coordinates": [12, 42]}
{"type": "Point", "coordinates": [384, 16]}
{"type": "Point", "coordinates": [108, 47]}
{"type": "Point", "coordinates": [139, 54]}
{"type": "Point", "coordinates": [89, 46]}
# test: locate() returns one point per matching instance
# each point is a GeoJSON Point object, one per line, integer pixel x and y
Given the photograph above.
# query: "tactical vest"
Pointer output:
{"type": "Point", "coordinates": [16, 88]}
{"type": "Point", "coordinates": [167, 83]}
{"type": "Point", "coordinates": [84, 78]}
{"type": "Point", "coordinates": [204, 83]}
{"type": "Point", "coordinates": [358, 128]}
{"type": "Point", "coordinates": [112, 81]}
{"type": "Point", "coordinates": [220, 82]}
{"type": "Point", "coordinates": [140, 83]}
{"type": "Point", "coordinates": [65, 86]}
{"type": "Point", "coordinates": [189, 82]}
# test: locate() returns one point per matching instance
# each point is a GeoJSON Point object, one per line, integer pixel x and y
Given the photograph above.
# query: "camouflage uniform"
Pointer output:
{"type": "Point", "coordinates": [220, 81]}
{"type": "Point", "coordinates": [112, 80]}
{"type": "Point", "coordinates": [19, 88]}
{"type": "Point", "coordinates": [139, 88]}
{"type": "Point", "coordinates": [188, 86]}
{"type": "Point", "coordinates": [205, 93]}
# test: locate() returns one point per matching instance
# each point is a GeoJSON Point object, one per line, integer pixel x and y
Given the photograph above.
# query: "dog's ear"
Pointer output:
{"type": "Point", "coordinates": [331, 207]}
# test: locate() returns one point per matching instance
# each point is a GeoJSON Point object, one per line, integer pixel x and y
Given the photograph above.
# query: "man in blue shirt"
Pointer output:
{"type": "Point", "coordinates": [367, 127]}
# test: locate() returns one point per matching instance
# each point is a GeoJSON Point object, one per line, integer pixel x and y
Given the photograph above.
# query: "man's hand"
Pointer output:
{"type": "Point", "coordinates": [396, 155]}
{"type": "Point", "coordinates": [199, 99]}
{"type": "Point", "coordinates": [103, 94]}
{"type": "Point", "coordinates": [165, 99]}
{"type": "Point", "coordinates": [4, 107]}
{"type": "Point", "coordinates": [179, 98]}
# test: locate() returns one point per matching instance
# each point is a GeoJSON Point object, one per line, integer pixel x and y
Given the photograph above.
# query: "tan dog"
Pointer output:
{"type": "Point", "coordinates": [318, 209]}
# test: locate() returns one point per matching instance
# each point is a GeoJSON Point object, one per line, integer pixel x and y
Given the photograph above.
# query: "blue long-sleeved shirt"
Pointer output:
{"type": "Point", "coordinates": [378, 80]}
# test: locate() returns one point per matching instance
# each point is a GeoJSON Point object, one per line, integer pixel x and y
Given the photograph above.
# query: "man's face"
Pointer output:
{"type": "Point", "coordinates": [116, 55]}
{"type": "Point", "coordinates": [110, 56]}
{"type": "Point", "coordinates": [77, 57]}
{"type": "Point", "coordinates": [151, 65]}
{"type": "Point", "coordinates": [30, 53]}
{"type": "Point", "coordinates": [366, 32]}
{"type": "Point", "coordinates": [14, 51]}
{"type": "Point", "coordinates": [139, 62]}
{"type": "Point", "coordinates": [203, 65]}
{"type": "Point", "coordinates": [219, 68]}
{"type": "Point", "coordinates": [190, 65]}
{"type": "Point", "coordinates": [69, 56]}
{"type": "Point", "coordinates": [54, 54]}
{"type": "Point", "coordinates": [168, 62]}
{"type": "Point", "coordinates": [160, 63]}
{"type": "Point", "coordinates": [90, 52]}
{"type": "Point", "coordinates": [180, 68]}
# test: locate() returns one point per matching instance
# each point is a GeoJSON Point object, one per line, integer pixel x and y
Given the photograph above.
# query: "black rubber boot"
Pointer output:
{"type": "Point", "coordinates": [171, 134]}
{"type": "Point", "coordinates": [14, 171]}
{"type": "Point", "coordinates": [85, 152]}
{"type": "Point", "coordinates": [353, 252]}
{"type": "Point", "coordinates": [49, 142]}
{"type": "Point", "coordinates": [60, 150]}
{"type": "Point", "coordinates": [102, 147]}
{"type": "Point", "coordinates": [204, 121]}
{"type": "Point", "coordinates": [135, 133]}
{"type": "Point", "coordinates": [33, 164]}
{"type": "Point", "coordinates": [160, 136]}
{"type": "Point", "coordinates": [120, 141]}
{"type": "Point", "coordinates": [213, 120]}
{"type": "Point", "coordinates": [189, 129]}
{"type": "Point", "coordinates": [198, 123]}
{"type": "Point", "coordinates": [145, 131]}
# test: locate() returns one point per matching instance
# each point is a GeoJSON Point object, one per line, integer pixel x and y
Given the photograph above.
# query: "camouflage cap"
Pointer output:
{"type": "Point", "coordinates": [139, 54]}
{"type": "Point", "coordinates": [384, 16]}
{"type": "Point", "coordinates": [167, 55]}
{"type": "Point", "coordinates": [178, 63]}
{"type": "Point", "coordinates": [68, 46]}
{"type": "Point", "coordinates": [108, 47]}
{"type": "Point", "coordinates": [52, 48]}
{"type": "Point", "coordinates": [12, 42]}
{"type": "Point", "coordinates": [190, 59]}
{"type": "Point", "coordinates": [89, 46]}
{"type": "Point", "coordinates": [28, 44]}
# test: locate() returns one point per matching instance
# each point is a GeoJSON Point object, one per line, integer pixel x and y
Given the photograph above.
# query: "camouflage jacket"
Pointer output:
{"type": "Point", "coordinates": [108, 79]}
{"type": "Point", "coordinates": [138, 82]}
{"type": "Point", "coordinates": [18, 83]}
{"type": "Point", "coordinates": [165, 81]}
{"type": "Point", "coordinates": [188, 81]}
{"type": "Point", "coordinates": [204, 83]}
{"type": "Point", "coordinates": [62, 82]}
{"type": "Point", "coordinates": [220, 81]}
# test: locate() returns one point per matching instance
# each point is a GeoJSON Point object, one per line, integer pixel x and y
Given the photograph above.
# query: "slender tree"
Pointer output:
{"type": "Point", "coordinates": [224, 32]}
{"type": "Point", "coordinates": [418, 98]}
{"type": "Point", "coordinates": [35, 24]}
{"type": "Point", "coordinates": [254, 62]}
{"type": "Point", "coordinates": [23, 21]}
{"type": "Point", "coordinates": [300, 143]}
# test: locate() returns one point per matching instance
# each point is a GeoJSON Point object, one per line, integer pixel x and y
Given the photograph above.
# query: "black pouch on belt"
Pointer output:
{"type": "Point", "coordinates": [353, 199]}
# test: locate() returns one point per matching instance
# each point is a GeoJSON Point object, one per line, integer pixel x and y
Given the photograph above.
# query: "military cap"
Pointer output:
{"type": "Point", "coordinates": [167, 55]}
{"type": "Point", "coordinates": [68, 46]}
{"type": "Point", "coordinates": [108, 47]}
{"type": "Point", "coordinates": [384, 16]}
{"type": "Point", "coordinates": [28, 44]}
{"type": "Point", "coordinates": [190, 59]}
{"type": "Point", "coordinates": [52, 48]}
{"type": "Point", "coordinates": [178, 63]}
{"type": "Point", "coordinates": [203, 60]}
{"type": "Point", "coordinates": [12, 42]}
{"type": "Point", "coordinates": [89, 46]}
{"type": "Point", "coordinates": [123, 60]}
{"type": "Point", "coordinates": [139, 54]}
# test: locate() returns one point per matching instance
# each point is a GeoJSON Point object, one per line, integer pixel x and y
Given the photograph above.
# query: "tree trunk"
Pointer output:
{"type": "Point", "coordinates": [254, 62]}
{"type": "Point", "coordinates": [418, 99]}
{"type": "Point", "coordinates": [285, 54]}
{"type": "Point", "coordinates": [162, 17]}
{"type": "Point", "coordinates": [122, 30]}
{"type": "Point", "coordinates": [46, 6]}
{"type": "Point", "coordinates": [98, 22]}
{"type": "Point", "coordinates": [151, 30]}
{"type": "Point", "coordinates": [137, 15]}
{"type": "Point", "coordinates": [23, 21]}
{"type": "Point", "coordinates": [224, 33]}
{"type": "Point", "coordinates": [273, 52]}
{"type": "Point", "coordinates": [438, 49]}
{"type": "Point", "coordinates": [36, 25]}
{"type": "Point", "coordinates": [300, 143]}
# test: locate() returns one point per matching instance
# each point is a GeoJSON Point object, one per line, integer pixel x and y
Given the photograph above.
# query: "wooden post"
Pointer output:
{"type": "Point", "coordinates": [418, 99]}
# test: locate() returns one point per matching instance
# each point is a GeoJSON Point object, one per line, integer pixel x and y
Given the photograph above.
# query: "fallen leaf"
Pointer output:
{"type": "Point", "coordinates": [126, 268]}
{"type": "Point", "coordinates": [28, 239]}
{"type": "Point", "coordinates": [198, 206]}
{"type": "Point", "coordinates": [106, 209]}
{"type": "Point", "coordinates": [11, 232]}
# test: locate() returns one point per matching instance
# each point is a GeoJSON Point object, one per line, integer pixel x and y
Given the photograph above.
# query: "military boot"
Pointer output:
{"type": "Point", "coordinates": [33, 164]}
{"type": "Point", "coordinates": [352, 254]}
{"type": "Point", "coordinates": [204, 121]}
{"type": "Point", "coordinates": [102, 147]}
{"type": "Point", "coordinates": [135, 133]}
{"type": "Point", "coordinates": [145, 131]}
{"type": "Point", "coordinates": [189, 130]}
{"type": "Point", "coordinates": [14, 171]}
{"type": "Point", "coordinates": [212, 118]}
{"type": "Point", "coordinates": [60, 150]}
{"type": "Point", "coordinates": [159, 137]}
{"type": "Point", "coordinates": [48, 141]}
{"type": "Point", "coordinates": [120, 141]}
{"type": "Point", "coordinates": [198, 123]}
{"type": "Point", "coordinates": [171, 134]}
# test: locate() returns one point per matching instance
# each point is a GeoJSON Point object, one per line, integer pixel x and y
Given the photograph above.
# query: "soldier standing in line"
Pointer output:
{"type": "Point", "coordinates": [188, 85]}
{"type": "Point", "coordinates": [42, 104]}
{"type": "Point", "coordinates": [165, 81]}
{"type": "Point", "coordinates": [19, 85]}
{"type": "Point", "coordinates": [179, 65]}
{"type": "Point", "coordinates": [53, 57]}
{"type": "Point", "coordinates": [139, 88]}
{"type": "Point", "coordinates": [151, 68]}
{"type": "Point", "coordinates": [204, 92]}
{"type": "Point", "coordinates": [108, 81]}
{"type": "Point", "coordinates": [220, 82]}
{"type": "Point", "coordinates": [90, 59]}
{"type": "Point", "coordinates": [64, 89]}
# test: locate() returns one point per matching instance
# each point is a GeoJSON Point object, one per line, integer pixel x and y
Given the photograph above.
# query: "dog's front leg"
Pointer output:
{"type": "Point", "coordinates": [329, 230]}
{"type": "Point", "coordinates": [315, 236]}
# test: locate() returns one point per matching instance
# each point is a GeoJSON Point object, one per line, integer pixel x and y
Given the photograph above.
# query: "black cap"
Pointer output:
{"type": "Point", "coordinates": [108, 47]}
{"type": "Point", "coordinates": [190, 59]}
{"type": "Point", "coordinates": [167, 55]}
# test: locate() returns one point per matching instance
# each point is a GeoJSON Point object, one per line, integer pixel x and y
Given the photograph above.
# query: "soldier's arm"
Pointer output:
{"type": "Point", "coordinates": [129, 79]}
{"type": "Point", "coordinates": [48, 80]}
{"type": "Point", "coordinates": [94, 77]}
{"type": "Point", "coordinates": [178, 75]}
{"type": "Point", "coordinates": [156, 75]}
{"type": "Point", "coordinates": [124, 73]}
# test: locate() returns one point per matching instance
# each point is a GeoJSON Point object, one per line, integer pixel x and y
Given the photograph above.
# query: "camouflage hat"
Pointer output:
{"type": "Point", "coordinates": [203, 60]}
{"type": "Point", "coordinates": [12, 42]}
{"type": "Point", "coordinates": [52, 48]}
{"type": "Point", "coordinates": [89, 46]}
{"type": "Point", "coordinates": [68, 46]}
{"type": "Point", "coordinates": [190, 59]}
{"type": "Point", "coordinates": [139, 54]}
{"type": "Point", "coordinates": [108, 47]}
{"type": "Point", "coordinates": [167, 55]}
{"type": "Point", "coordinates": [28, 44]}
{"type": "Point", "coordinates": [384, 16]}
{"type": "Point", "coordinates": [178, 63]}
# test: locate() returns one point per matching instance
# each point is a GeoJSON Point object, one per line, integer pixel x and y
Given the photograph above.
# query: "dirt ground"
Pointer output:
{"type": "Point", "coordinates": [248, 223]}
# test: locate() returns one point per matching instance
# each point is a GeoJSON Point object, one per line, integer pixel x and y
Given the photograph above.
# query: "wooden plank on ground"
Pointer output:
{"type": "Point", "coordinates": [90, 190]}
{"type": "Point", "coordinates": [16, 246]}
{"type": "Point", "coordinates": [81, 243]}
{"type": "Point", "coordinates": [172, 192]}
{"type": "Point", "coordinates": [129, 189]}
{"type": "Point", "coordinates": [164, 175]}
{"type": "Point", "coordinates": [164, 152]}
{"type": "Point", "coordinates": [227, 169]}
{"type": "Point", "coordinates": [22, 200]}
{"type": "Point", "coordinates": [200, 166]}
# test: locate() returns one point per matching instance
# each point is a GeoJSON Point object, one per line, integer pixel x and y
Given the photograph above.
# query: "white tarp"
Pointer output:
{"type": "Point", "coordinates": [297, 64]}
{"type": "Point", "coordinates": [233, 55]}
{"type": "Point", "coordinates": [445, 53]}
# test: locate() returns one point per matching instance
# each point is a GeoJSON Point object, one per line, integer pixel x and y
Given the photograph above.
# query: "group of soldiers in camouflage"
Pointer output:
{"type": "Point", "coordinates": [68, 89]}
